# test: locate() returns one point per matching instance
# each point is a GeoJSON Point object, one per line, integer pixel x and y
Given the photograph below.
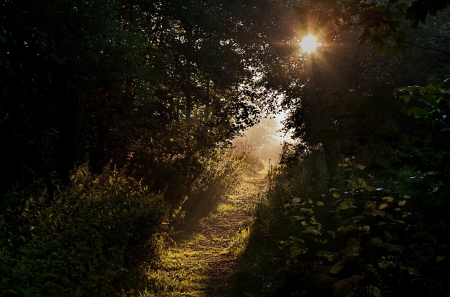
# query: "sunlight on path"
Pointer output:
{"type": "Point", "coordinates": [202, 263]}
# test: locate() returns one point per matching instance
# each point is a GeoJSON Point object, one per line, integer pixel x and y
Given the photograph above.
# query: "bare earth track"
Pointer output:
{"type": "Point", "coordinates": [205, 251]}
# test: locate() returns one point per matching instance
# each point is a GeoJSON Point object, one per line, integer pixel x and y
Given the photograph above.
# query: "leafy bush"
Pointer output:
{"type": "Point", "coordinates": [378, 230]}
{"type": "Point", "coordinates": [80, 243]}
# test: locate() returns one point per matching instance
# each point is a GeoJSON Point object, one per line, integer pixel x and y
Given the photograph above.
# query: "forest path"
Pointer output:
{"type": "Point", "coordinates": [205, 251]}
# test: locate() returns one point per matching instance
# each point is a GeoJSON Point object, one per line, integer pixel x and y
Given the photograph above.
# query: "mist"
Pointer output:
{"type": "Point", "coordinates": [265, 138]}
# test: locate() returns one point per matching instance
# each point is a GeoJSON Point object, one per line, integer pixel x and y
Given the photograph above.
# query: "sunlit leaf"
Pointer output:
{"type": "Point", "coordinates": [343, 206]}
{"type": "Point", "coordinates": [383, 205]}
{"type": "Point", "coordinates": [412, 271]}
{"type": "Point", "coordinates": [383, 264]}
{"type": "Point", "coordinates": [336, 195]}
{"type": "Point", "coordinates": [401, 203]}
{"type": "Point", "coordinates": [388, 199]}
{"type": "Point", "coordinates": [320, 203]}
{"type": "Point", "coordinates": [296, 200]}
{"type": "Point", "coordinates": [361, 182]}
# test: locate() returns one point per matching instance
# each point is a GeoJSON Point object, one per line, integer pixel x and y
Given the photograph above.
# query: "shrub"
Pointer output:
{"type": "Point", "coordinates": [80, 243]}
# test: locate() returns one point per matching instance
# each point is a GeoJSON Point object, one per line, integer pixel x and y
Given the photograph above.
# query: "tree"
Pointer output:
{"type": "Point", "coordinates": [381, 22]}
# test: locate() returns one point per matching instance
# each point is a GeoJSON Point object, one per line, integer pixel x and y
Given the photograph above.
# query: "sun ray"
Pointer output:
{"type": "Point", "coordinates": [308, 43]}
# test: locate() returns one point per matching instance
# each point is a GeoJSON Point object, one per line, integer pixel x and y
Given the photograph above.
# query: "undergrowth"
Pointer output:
{"type": "Point", "coordinates": [346, 234]}
{"type": "Point", "coordinates": [98, 234]}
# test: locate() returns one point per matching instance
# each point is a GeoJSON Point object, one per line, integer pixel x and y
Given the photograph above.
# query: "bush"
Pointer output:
{"type": "Point", "coordinates": [80, 243]}
{"type": "Point", "coordinates": [364, 237]}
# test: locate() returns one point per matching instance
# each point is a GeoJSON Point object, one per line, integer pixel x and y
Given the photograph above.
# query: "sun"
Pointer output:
{"type": "Point", "coordinates": [309, 43]}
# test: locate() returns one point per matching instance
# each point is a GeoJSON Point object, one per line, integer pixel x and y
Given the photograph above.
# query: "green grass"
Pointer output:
{"type": "Point", "coordinates": [203, 254]}
{"type": "Point", "coordinates": [181, 273]}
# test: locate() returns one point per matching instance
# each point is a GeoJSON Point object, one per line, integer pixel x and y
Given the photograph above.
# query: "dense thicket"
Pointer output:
{"type": "Point", "coordinates": [111, 115]}
{"type": "Point", "coordinates": [359, 207]}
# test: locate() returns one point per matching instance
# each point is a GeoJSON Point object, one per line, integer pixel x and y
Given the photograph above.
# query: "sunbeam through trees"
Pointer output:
{"type": "Point", "coordinates": [121, 120]}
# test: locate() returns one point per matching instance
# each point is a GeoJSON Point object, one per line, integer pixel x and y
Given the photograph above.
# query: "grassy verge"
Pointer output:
{"type": "Point", "coordinates": [201, 255]}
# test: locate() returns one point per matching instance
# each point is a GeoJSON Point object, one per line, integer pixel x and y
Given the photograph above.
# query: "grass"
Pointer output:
{"type": "Point", "coordinates": [200, 256]}
{"type": "Point", "coordinates": [181, 273]}
{"type": "Point", "coordinates": [223, 207]}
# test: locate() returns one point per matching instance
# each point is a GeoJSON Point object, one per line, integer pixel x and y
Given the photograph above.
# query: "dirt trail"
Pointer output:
{"type": "Point", "coordinates": [205, 251]}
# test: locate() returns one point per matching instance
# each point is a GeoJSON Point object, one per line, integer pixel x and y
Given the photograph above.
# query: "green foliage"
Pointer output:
{"type": "Point", "coordinates": [359, 239]}
{"type": "Point", "coordinates": [379, 229]}
{"type": "Point", "coordinates": [80, 243]}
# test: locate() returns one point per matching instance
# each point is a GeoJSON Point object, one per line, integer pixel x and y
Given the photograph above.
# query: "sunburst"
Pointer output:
{"type": "Point", "coordinates": [309, 43]}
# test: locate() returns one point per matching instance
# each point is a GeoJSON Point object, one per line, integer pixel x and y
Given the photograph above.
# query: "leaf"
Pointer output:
{"type": "Point", "coordinates": [352, 247]}
{"type": "Point", "coordinates": [383, 205]}
{"type": "Point", "coordinates": [412, 271]}
{"type": "Point", "coordinates": [387, 199]}
{"type": "Point", "coordinates": [401, 203]}
{"type": "Point", "coordinates": [376, 241]}
{"type": "Point", "coordinates": [363, 37]}
{"type": "Point", "coordinates": [341, 288]}
{"type": "Point", "coordinates": [336, 268]}
{"type": "Point", "coordinates": [343, 206]}
{"type": "Point", "coordinates": [383, 264]}
{"type": "Point", "coordinates": [296, 200]}
{"type": "Point", "coordinates": [355, 278]}
{"type": "Point", "coordinates": [320, 203]}
{"type": "Point", "coordinates": [418, 112]}
{"type": "Point", "coordinates": [336, 195]}
{"type": "Point", "coordinates": [350, 221]}
{"type": "Point", "coordinates": [361, 182]}
{"type": "Point", "coordinates": [296, 250]}
{"type": "Point", "coordinates": [374, 291]}
{"type": "Point", "coordinates": [439, 258]}
{"type": "Point", "coordinates": [360, 167]}
{"type": "Point", "coordinates": [391, 247]}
